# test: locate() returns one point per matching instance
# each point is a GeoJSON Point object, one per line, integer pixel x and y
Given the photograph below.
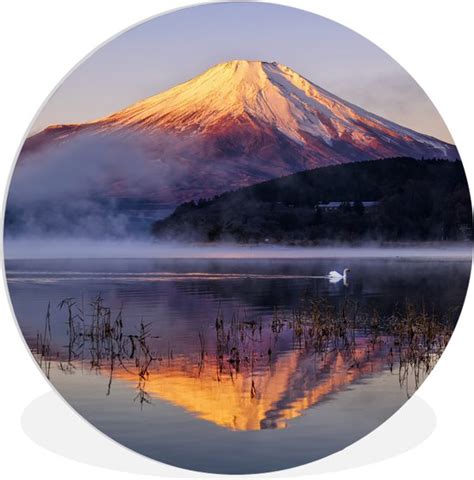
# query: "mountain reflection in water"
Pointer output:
{"type": "Point", "coordinates": [247, 374]}
{"type": "Point", "coordinates": [276, 392]}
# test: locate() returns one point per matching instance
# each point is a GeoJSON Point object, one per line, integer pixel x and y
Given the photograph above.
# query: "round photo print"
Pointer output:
{"type": "Point", "coordinates": [234, 250]}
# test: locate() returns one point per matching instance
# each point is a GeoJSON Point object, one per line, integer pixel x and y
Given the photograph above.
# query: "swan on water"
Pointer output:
{"type": "Point", "coordinates": [336, 276]}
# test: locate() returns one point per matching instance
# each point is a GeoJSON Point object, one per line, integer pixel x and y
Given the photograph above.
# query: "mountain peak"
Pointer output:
{"type": "Point", "coordinates": [245, 64]}
{"type": "Point", "coordinates": [240, 122]}
{"type": "Point", "coordinates": [238, 89]}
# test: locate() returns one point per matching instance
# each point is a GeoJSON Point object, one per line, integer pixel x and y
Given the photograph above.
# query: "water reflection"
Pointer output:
{"type": "Point", "coordinates": [225, 353]}
{"type": "Point", "coordinates": [266, 399]}
{"type": "Point", "coordinates": [249, 373]}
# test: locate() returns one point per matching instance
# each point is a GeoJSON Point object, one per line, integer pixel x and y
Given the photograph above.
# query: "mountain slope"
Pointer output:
{"type": "Point", "coordinates": [238, 123]}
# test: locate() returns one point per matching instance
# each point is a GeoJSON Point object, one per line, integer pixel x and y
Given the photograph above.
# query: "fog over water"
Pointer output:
{"type": "Point", "coordinates": [37, 247]}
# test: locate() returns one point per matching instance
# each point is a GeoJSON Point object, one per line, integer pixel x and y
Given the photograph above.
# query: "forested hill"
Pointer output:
{"type": "Point", "coordinates": [389, 199]}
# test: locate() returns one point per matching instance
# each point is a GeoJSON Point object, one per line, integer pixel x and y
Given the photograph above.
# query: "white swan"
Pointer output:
{"type": "Point", "coordinates": [336, 276]}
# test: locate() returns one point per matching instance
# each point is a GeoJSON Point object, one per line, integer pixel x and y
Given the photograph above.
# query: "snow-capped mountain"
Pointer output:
{"type": "Point", "coordinates": [236, 124]}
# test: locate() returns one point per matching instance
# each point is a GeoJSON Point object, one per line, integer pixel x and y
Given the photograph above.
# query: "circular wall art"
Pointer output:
{"type": "Point", "coordinates": [233, 250]}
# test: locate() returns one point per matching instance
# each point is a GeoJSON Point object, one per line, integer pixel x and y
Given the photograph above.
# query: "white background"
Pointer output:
{"type": "Point", "coordinates": [41, 41]}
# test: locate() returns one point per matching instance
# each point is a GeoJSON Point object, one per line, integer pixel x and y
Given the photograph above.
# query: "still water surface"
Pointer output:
{"type": "Point", "coordinates": [275, 405]}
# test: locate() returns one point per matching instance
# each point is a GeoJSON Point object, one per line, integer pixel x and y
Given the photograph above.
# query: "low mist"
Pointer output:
{"type": "Point", "coordinates": [37, 247]}
{"type": "Point", "coordinates": [88, 186]}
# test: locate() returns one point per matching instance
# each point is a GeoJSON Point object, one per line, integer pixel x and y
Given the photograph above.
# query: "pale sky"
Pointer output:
{"type": "Point", "coordinates": [175, 47]}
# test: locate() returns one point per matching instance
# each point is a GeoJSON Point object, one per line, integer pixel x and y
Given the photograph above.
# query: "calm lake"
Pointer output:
{"type": "Point", "coordinates": [269, 404]}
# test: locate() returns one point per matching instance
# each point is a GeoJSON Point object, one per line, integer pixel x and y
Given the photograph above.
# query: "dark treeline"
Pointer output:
{"type": "Point", "coordinates": [390, 199]}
